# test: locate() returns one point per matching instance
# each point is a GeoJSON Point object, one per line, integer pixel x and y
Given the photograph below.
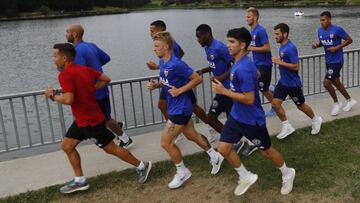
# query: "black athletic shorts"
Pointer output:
{"type": "Point", "coordinates": [333, 71]}
{"type": "Point", "coordinates": [98, 133]}
{"type": "Point", "coordinates": [296, 94]}
{"type": "Point", "coordinates": [264, 80]}
{"type": "Point", "coordinates": [220, 103]}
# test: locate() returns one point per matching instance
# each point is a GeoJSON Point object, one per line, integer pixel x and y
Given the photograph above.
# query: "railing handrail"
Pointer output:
{"type": "Point", "coordinates": [117, 82]}
{"type": "Point", "coordinates": [27, 119]}
{"type": "Point", "coordinates": [323, 54]}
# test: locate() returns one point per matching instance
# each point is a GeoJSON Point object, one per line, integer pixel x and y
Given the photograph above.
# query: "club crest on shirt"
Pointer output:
{"type": "Point", "coordinates": [231, 76]}
{"type": "Point", "coordinates": [320, 36]}
{"type": "Point", "coordinates": [166, 73]}
{"type": "Point", "coordinates": [282, 54]}
{"type": "Point", "coordinates": [331, 36]}
{"type": "Point", "coordinates": [254, 37]}
{"type": "Point", "coordinates": [212, 57]}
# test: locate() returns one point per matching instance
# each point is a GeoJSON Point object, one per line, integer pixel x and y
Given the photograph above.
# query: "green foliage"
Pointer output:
{"type": "Point", "coordinates": [44, 10]}
{"type": "Point", "coordinates": [10, 8]}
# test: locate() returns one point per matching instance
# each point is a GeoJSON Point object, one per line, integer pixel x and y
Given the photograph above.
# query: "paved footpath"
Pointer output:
{"type": "Point", "coordinates": [31, 173]}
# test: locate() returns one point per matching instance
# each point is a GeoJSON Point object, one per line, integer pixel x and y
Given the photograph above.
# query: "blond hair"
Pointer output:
{"type": "Point", "coordinates": [164, 37]}
{"type": "Point", "coordinates": [254, 11]}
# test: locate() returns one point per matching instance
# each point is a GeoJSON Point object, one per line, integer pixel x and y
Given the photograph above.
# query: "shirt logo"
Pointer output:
{"type": "Point", "coordinates": [212, 57]}
{"type": "Point", "coordinates": [231, 76]}
{"type": "Point", "coordinates": [166, 73]}
{"type": "Point", "coordinates": [331, 36]}
{"type": "Point", "coordinates": [327, 42]}
{"type": "Point", "coordinates": [211, 64]}
{"type": "Point", "coordinates": [253, 43]}
{"type": "Point", "coordinates": [254, 37]}
{"type": "Point", "coordinates": [282, 54]}
{"type": "Point", "coordinates": [320, 36]}
{"type": "Point", "coordinates": [164, 81]}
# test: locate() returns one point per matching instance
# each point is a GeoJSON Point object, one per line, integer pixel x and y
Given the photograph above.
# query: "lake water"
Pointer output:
{"type": "Point", "coordinates": [26, 46]}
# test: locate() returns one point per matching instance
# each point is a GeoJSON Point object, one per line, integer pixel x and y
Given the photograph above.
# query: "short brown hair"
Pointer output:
{"type": "Point", "coordinates": [254, 11]}
{"type": "Point", "coordinates": [164, 37]}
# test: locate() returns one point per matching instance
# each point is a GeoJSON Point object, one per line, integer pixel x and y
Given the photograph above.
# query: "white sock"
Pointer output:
{"type": "Point", "coordinates": [212, 153]}
{"type": "Point", "coordinates": [315, 118]}
{"type": "Point", "coordinates": [285, 122]}
{"type": "Point", "coordinates": [141, 166]}
{"type": "Point", "coordinates": [284, 169]}
{"type": "Point", "coordinates": [242, 171]}
{"type": "Point", "coordinates": [124, 137]}
{"type": "Point", "coordinates": [180, 167]}
{"type": "Point", "coordinates": [80, 179]}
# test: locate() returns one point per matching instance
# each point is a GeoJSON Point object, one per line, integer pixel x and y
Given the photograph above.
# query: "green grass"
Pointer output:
{"type": "Point", "coordinates": [327, 164]}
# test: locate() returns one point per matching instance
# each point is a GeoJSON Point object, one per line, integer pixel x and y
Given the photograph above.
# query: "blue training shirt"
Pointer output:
{"type": "Point", "coordinates": [219, 60]}
{"type": "Point", "coordinates": [289, 54]}
{"type": "Point", "coordinates": [88, 54]}
{"type": "Point", "coordinates": [176, 73]}
{"type": "Point", "coordinates": [259, 39]}
{"type": "Point", "coordinates": [244, 79]}
{"type": "Point", "coordinates": [331, 38]}
{"type": "Point", "coordinates": [176, 49]}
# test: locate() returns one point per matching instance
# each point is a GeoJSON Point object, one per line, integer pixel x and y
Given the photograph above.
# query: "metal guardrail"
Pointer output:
{"type": "Point", "coordinates": [29, 119]}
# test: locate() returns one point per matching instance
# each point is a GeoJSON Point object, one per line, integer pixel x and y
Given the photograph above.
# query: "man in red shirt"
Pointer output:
{"type": "Point", "coordinates": [79, 84]}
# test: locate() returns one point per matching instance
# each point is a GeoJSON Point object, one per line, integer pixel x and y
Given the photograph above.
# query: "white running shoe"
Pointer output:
{"type": "Point", "coordinates": [336, 108]}
{"type": "Point", "coordinates": [216, 164]}
{"type": "Point", "coordinates": [285, 131]}
{"type": "Point", "coordinates": [316, 126]}
{"type": "Point", "coordinates": [179, 138]}
{"type": "Point", "coordinates": [245, 183]}
{"type": "Point", "coordinates": [212, 135]}
{"type": "Point", "coordinates": [287, 182]}
{"type": "Point", "coordinates": [179, 179]}
{"type": "Point", "coordinates": [349, 105]}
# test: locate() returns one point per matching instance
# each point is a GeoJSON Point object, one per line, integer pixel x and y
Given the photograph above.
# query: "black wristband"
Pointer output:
{"type": "Point", "coordinates": [52, 95]}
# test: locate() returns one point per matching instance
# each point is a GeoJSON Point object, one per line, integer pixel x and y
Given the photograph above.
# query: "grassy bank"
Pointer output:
{"type": "Point", "coordinates": [327, 167]}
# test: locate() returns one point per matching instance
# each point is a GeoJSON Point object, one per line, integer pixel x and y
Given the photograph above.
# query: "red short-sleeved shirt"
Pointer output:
{"type": "Point", "coordinates": [80, 80]}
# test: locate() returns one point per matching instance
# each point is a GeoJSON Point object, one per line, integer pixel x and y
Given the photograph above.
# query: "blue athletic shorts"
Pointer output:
{"type": "Point", "coordinates": [180, 119]}
{"type": "Point", "coordinates": [104, 104]}
{"type": "Point", "coordinates": [234, 130]}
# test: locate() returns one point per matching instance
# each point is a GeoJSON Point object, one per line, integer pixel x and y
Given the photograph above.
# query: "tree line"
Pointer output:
{"type": "Point", "coordinates": [11, 8]}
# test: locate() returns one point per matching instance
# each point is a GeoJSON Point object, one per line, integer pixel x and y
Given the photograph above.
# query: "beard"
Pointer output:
{"type": "Point", "coordinates": [70, 40]}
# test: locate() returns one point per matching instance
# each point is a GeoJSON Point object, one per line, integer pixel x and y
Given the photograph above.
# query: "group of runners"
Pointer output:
{"type": "Point", "coordinates": [237, 80]}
